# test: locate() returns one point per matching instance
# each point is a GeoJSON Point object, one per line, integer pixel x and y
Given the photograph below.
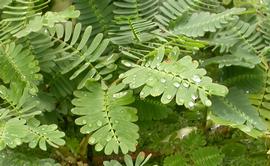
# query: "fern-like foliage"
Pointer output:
{"type": "Point", "coordinates": [141, 160]}
{"type": "Point", "coordinates": [200, 23]}
{"type": "Point", "coordinates": [104, 114]}
{"type": "Point", "coordinates": [244, 78]}
{"type": "Point", "coordinates": [41, 47]}
{"type": "Point", "coordinates": [42, 134]}
{"type": "Point", "coordinates": [180, 78]}
{"type": "Point", "coordinates": [15, 158]}
{"type": "Point", "coordinates": [172, 43]}
{"type": "Point", "coordinates": [263, 23]}
{"type": "Point", "coordinates": [17, 124]}
{"type": "Point", "coordinates": [172, 11]}
{"type": "Point", "coordinates": [260, 99]}
{"type": "Point", "coordinates": [16, 17]}
{"type": "Point", "coordinates": [96, 13]}
{"type": "Point", "coordinates": [239, 57]}
{"type": "Point", "coordinates": [208, 156]}
{"type": "Point", "coordinates": [241, 35]}
{"type": "Point", "coordinates": [133, 21]}
{"type": "Point", "coordinates": [174, 160]}
{"type": "Point", "coordinates": [77, 55]}
{"type": "Point", "coordinates": [96, 63]}
{"type": "Point", "coordinates": [19, 66]}
{"type": "Point", "coordinates": [237, 111]}
{"type": "Point", "coordinates": [151, 109]}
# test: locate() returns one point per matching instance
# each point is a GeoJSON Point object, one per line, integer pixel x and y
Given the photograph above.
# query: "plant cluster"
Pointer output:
{"type": "Point", "coordinates": [84, 81]}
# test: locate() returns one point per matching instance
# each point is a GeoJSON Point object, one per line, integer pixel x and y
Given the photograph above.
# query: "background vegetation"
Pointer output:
{"type": "Point", "coordinates": [134, 82]}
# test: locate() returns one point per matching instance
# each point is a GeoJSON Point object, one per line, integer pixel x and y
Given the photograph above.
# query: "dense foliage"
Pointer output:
{"type": "Point", "coordinates": [134, 82]}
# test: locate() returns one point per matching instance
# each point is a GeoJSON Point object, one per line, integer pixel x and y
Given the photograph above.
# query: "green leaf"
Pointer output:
{"type": "Point", "coordinates": [18, 101]}
{"type": "Point", "coordinates": [104, 114]}
{"type": "Point", "coordinates": [51, 18]}
{"type": "Point", "coordinates": [175, 160]}
{"type": "Point", "coordinates": [76, 53]}
{"type": "Point", "coordinates": [173, 11]}
{"type": "Point", "coordinates": [27, 158]}
{"type": "Point", "coordinates": [237, 110]}
{"type": "Point", "coordinates": [34, 25]}
{"type": "Point", "coordinates": [181, 79]}
{"type": "Point", "coordinates": [240, 57]}
{"type": "Point", "coordinates": [3, 3]}
{"type": "Point", "coordinates": [12, 132]}
{"type": "Point", "coordinates": [202, 22]}
{"type": "Point", "coordinates": [42, 134]}
{"type": "Point", "coordinates": [151, 109]}
{"type": "Point", "coordinates": [140, 160]}
{"type": "Point", "coordinates": [207, 156]}
{"type": "Point", "coordinates": [18, 65]}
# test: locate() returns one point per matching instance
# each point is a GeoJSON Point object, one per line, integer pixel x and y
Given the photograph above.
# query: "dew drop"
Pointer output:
{"type": "Point", "coordinates": [132, 85]}
{"type": "Point", "coordinates": [83, 121]}
{"type": "Point", "coordinates": [176, 84]}
{"type": "Point", "coordinates": [194, 97]}
{"type": "Point", "coordinates": [18, 142]}
{"type": "Point", "coordinates": [127, 64]}
{"type": "Point", "coordinates": [185, 84]}
{"type": "Point", "coordinates": [122, 75]}
{"type": "Point", "coordinates": [42, 128]}
{"type": "Point", "coordinates": [162, 80]}
{"type": "Point", "coordinates": [196, 78]}
{"type": "Point", "coordinates": [92, 140]}
{"type": "Point", "coordinates": [99, 123]}
{"type": "Point", "coordinates": [191, 104]}
{"type": "Point", "coordinates": [208, 103]}
{"type": "Point", "coordinates": [108, 139]}
{"type": "Point", "coordinates": [169, 97]}
{"type": "Point", "coordinates": [181, 100]}
{"type": "Point", "coordinates": [99, 147]}
{"type": "Point", "coordinates": [247, 92]}
{"type": "Point", "coordinates": [119, 95]}
{"type": "Point", "coordinates": [150, 79]}
{"type": "Point", "coordinates": [23, 77]}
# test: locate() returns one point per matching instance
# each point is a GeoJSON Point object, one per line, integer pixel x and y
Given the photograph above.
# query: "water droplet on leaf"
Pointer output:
{"type": "Point", "coordinates": [99, 123]}
{"type": "Point", "coordinates": [83, 121]}
{"type": "Point", "coordinates": [185, 84]}
{"type": "Point", "coordinates": [127, 64]}
{"type": "Point", "coordinates": [91, 140]}
{"type": "Point", "coordinates": [191, 104]}
{"type": "Point", "coordinates": [208, 103]}
{"type": "Point", "coordinates": [108, 139]}
{"type": "Point", "coordinates": [162, 80]}
{"type": "Point", "coordinates": [121, 75]}
{"type": "Point", "coordinates": [176, 84]}
{"type": "Point", "coordinates": [196, 78]}
{"type": "Point", "coordinates": [194, 97]}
